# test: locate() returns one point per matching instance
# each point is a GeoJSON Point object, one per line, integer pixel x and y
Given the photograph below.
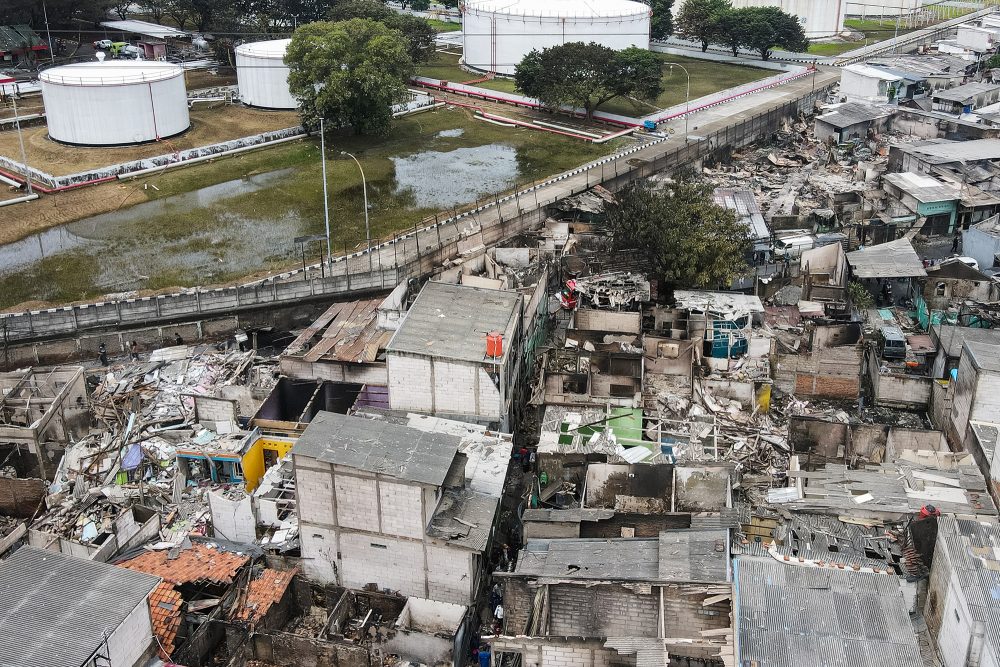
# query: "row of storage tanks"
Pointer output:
{"type": "Point", "coordinates": [118, 103]}
{"type": "Point", "coordinates": [127, 102]}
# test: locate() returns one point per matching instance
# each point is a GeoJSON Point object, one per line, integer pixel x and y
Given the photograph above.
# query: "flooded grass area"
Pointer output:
{"type": "Point", "coordinates": [220, 221]}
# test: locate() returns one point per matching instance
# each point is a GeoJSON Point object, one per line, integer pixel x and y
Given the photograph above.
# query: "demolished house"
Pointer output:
{"type": "Point", "coordinates": [41, 412]}
{"type": "Point", "coordinates": [597, 602]}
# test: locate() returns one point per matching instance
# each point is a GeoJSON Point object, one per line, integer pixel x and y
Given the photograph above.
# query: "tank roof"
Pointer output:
{"type": "Point", "coordinates": [110, 73]}
{"type": "Point", "coordinates": [273, 48]}
{"type": "Point", "coordinates": [560, 8]}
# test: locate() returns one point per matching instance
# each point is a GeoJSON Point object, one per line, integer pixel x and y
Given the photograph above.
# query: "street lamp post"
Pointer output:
{"type": "Point", "coordinates": [687, 96]}
{"type": "Point", "coordinates": [364, 189]}
{"type": "Point", "coordinates": [326, 200]}
{"type": "Point", "coordinates": [20, 139]}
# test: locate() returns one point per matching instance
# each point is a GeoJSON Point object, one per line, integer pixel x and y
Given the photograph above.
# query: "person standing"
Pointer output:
{"type": "Point", "coordinates": [955, 241]}
{"type": "Point", "coordinates": [133, 351]}
{"type": "Point", "coordinates": [102, 354]}
{"type": "Point", "coordinates": [177, 339]}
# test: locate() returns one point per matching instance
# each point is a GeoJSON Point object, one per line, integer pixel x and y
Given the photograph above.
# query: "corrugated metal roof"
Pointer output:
{"type": "Point", "coordinates": [675, 556]}
{"type": "Point", "coordinates": [895, 259]}
{"type": "Point", "coordinates": [380, 447]}
{"type": "Point", "coordinates": [973, 549]}
{"type": "Point", "coordinates": [792, 616]}
{"type": "Point", "coordinates": [451, 321]}
{"type": "Point", "coordinates": [968, 91]}
{"type": "Point", "coordinates": [743, 203]}
{"type": "Point", "coordinates": [56, 609]}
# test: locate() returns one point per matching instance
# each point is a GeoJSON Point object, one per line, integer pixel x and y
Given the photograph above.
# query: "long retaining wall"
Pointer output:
{"type": "Point", "coordinates": [411, 255]}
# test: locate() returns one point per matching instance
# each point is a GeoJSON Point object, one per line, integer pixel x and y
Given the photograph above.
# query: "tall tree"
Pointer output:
{"type": "Point", "coordinates": [698, 20]}
{"type": "Point", "coordinates": [361, 68]}
{"type": "Point", "coordinates": [661, 23]}
{"type": "Point", "coordinates": [690, 241]}
{"type": "Point", "coordinates": [767, 27]}
{"type": "Point", "coordinates": [732, 30]}
{"type": "Point", "coordinates": [417, 31]}
{"type": "Point", "coordinates": [588, 75]}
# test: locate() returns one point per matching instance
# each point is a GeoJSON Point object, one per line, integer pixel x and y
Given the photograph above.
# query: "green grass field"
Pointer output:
{"type": "Point", "coordinates": [444, 26]}
{"type": "Point", "coordinates": [706, 77]}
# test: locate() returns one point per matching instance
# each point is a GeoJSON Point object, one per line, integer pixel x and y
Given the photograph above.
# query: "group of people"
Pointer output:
{"type": "Point", "coordinates": [133, 350]}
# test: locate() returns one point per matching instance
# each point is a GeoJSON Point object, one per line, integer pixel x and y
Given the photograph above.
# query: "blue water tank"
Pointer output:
{"type": "Point", "coordinates": [649, 125]}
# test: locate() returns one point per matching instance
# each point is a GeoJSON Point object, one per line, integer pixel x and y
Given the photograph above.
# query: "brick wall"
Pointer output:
{"type": "Point", "coordinates": [319, 553]}
{"type": "Point", "coordinates": [400, 509]}
{"type": "Point", "coordinates": [395, 564]}
{"type": "Point", "coordinates": [315, 500]}
{"type": "Point", "coordinates": [409, 383]}
{"type": "Point", "coordinates": [449, 574]}
{"type": "Point", "coordinates": [685, 617]}
{"type": "Point", "coordinates": [601, 611]}
{"type": "Point", "coordinates": [560, 652]}
{"type": "Point", "coordinates": [357, 502]}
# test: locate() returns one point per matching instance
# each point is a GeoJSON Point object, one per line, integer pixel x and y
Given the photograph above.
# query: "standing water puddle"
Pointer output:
{"type": "Point", "coordinates": [445, 180]}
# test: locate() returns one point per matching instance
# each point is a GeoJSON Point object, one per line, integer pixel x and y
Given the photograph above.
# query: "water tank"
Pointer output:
{"type": "Point", "coordinates": [114, 103]}
{"type": "Point", "coordinates": [263, 76]}
{"type": "Point", "coordinates": [499, 33]}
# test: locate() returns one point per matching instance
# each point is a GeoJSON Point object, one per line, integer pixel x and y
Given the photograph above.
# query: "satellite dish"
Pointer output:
{"type": "Point", "coordinates": [101, 55]}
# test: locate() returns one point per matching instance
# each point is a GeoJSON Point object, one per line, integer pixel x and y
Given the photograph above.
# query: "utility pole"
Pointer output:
{"type": "Point", "coordinates": [48, 35]}
{"type": "Point", "coordinates": [326, 199]}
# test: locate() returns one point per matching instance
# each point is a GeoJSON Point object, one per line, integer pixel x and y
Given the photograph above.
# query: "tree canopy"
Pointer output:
{"type": "Point", "coordinates": [698, 20]}
{"type": "Point", "coordinates": [417, 31]}
{"type": "Point", "coordinates": [361, 67]}
{"type": "Point", "coordinates": [757, 28]}
{"type": "Point", "coordinates": [690, 241]}
{"type": "Point", "coordinates": [588, 75]}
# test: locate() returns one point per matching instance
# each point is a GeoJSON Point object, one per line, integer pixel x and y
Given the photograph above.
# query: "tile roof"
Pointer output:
{"type": "Point", "coordinates": [198, 564]}
{"type": "Point", "coordinates": [262, 593]}
{"type": "Point", "coordinates": [165, 608]}
{"type": "Point", "coordinates": [55, 608]}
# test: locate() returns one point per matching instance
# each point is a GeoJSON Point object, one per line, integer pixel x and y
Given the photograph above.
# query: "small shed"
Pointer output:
{"type": "Point", "coordinates": [852, 120]}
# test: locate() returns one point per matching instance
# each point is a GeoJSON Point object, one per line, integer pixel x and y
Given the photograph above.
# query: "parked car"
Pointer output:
{"type": "Point", "coordinates": [102, 44]}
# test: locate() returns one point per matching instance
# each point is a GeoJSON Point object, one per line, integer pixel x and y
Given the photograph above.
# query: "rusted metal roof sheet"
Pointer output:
{"type": "Point", "coordinates": [346, 332]}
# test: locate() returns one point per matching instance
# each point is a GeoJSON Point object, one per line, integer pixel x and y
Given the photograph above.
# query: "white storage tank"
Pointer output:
{"type": "Point", "coordinates": [499, 33]}
{"type": "Point", "coordinates": [263, 76]}
{"type": "Point", "coordinates": [114, 103]}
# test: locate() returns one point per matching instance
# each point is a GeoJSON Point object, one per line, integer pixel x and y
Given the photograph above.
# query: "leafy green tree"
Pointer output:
{"type": "Point", "coordinates": [361, 68]}
{"type": "Point", "coordinates": [588, 75]}
{"type": "Point", "coordinates": [992, 63]}
{"type": "Point", "coordinates": [732, 30]}
{"type": "Point", "coordinates": [690, 241]}
{"type": "Point", "coordinates": [767, 27]}
{"type": "Point", "coordinates": [698, 20]}
{"type": "Point", "coordinates": [418, 31]}
{"type": "Point", "coordinates": [661, 24]}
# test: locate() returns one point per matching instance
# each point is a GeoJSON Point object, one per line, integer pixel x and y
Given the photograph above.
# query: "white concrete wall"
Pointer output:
{"type": "Point", "coordinates": [400, 510]}
{"type": "Point", "coordinates": [357, 505]}
{"type": "Point", "coordinates": [374, 373]}
{"type": "Point", "coordinates": [446, 388]}
{"type": "Point", "coordinates": [393, 563]}
{"type": "Point", "coordinates": [319, 553]}
{"type": "Point", "coordinates": [449, 574]}
{"type": "Point", "coordinates": [130, 640]}
{"type": "Point", "coordinates": [233, 520]}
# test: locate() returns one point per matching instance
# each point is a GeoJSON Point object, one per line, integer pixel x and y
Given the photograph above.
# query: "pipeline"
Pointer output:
{"type": "Point", "coordinates": [19, 200]}
{"type": "Point", "coordinates": [203, 158]}
{"type": "Point", "coordinates": [62, 188]}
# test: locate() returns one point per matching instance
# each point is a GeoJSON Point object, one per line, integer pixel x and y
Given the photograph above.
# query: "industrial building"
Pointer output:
{"type": "Point", "coordinates": [114, 103]}
{"type": "Point", "coordinates": [263, 76]}
{"type": "Point", "coordinates": [499, 33]}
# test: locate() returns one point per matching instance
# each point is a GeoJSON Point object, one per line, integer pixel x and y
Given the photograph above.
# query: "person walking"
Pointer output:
{"type": "Point", "coordinates": [954, 243]}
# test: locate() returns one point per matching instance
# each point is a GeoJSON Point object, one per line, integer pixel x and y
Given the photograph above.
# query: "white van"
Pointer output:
{"type": "Point", "coordinates": [793, 246]}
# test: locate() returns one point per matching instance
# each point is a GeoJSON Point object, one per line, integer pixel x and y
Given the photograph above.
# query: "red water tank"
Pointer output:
{"type": "Point", "coordinates": [494, 344]}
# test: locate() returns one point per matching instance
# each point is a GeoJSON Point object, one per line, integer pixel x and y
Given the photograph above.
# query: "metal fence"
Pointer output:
{"type": "Point", "coordinates": [416, 253]}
